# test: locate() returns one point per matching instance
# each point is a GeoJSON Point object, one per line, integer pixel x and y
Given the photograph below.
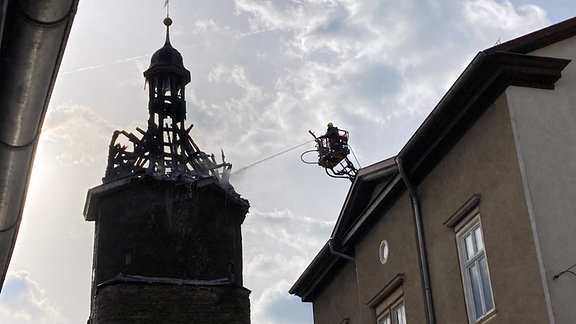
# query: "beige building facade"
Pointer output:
{"type": "Point", "coordinates": [472, 221]}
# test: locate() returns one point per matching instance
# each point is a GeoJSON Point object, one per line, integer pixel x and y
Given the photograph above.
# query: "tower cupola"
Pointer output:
{"type": "Point", "coordinates": [165, 149]}
{"type": "Point", "coordinates": [167, 76]}
{"type": "Point", "coordinates": [167, 55]}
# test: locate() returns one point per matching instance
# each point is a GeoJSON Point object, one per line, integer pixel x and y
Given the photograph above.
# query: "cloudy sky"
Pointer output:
{"type": "Point", "coordinates": [263, 74]}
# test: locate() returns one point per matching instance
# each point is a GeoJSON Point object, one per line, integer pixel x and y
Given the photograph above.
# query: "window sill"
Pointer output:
{"type": "Point", "coordinates": [486, 318]}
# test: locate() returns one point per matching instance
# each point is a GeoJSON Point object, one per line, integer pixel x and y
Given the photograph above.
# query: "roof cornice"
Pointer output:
{"type": "Point", "coordinates": [361, 192]}
{"type": "Point", "coordinates": [538, 39]}
{"type": "Point", "coordinates": [486, 78]}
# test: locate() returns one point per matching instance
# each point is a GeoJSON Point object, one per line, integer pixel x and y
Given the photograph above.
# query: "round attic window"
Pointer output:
{"type": "Point", "coordinates": [383, 251]}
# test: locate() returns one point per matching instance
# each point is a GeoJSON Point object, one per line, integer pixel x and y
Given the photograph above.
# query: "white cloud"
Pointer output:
{"type": "Point", "coordinates": [504, 16]}
{"type": "Point", "coordinates": [79, 134]}
{"type": "Point", "coordinates": [278, 246]}
{"type": "Point", "coordinates": [274, 306]}
{"type": "Point", "coordinates": [285, 230]}
{"type": "Point", "coordinates": [23, 302]}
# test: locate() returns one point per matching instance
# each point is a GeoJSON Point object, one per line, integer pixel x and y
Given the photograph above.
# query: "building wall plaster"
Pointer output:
{"type": "Point", "coordinates": [545, 124]}
{"type": "Point", "coordinates": [396, 226]}
{"type": "Point", "coordinates": [483, 162]}
{"type": "Point", "coordinates": [338, 302]}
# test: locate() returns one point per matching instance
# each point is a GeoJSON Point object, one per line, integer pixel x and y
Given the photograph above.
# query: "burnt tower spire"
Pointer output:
{"type": "Point", "coordinates": [165, 149]}
{"type": "Point", "coordinates": [167, 243]}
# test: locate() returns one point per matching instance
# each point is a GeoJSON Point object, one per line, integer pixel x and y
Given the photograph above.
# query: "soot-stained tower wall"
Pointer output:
{"type": "Point", "coordinates": [168, 243]}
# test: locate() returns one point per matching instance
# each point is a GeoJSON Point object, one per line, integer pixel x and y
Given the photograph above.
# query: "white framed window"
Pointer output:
{"type": "Point", "coordinates": [475, 273]}
{"type": "Point", "coordinates": [388, 303]}
{"type": "Point", "coordinates": [396, 314]}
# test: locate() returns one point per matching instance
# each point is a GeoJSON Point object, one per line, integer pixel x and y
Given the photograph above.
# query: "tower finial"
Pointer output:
{"type": "Point", "coordinates": [167, 22]}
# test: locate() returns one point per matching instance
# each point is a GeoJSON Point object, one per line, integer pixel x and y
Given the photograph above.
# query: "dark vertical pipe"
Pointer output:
{"type": "Point", "coordinates": [431, 316]}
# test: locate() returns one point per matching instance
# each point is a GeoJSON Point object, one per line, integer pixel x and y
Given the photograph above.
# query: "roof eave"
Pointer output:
{"type": "Point", "coordinates": [364, 183]}
{"type": "Point", "coordinates": [480, 84]}
{"type": "Point", "coordinates": [538, 39]}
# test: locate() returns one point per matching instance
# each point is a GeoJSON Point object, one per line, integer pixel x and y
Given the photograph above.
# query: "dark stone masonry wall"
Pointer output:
{"type": "Point", "coordinates": [167, 252]}
{"type": "Point", "coordinates": [168, 229]}
{"type": "Point", "coordinates": [142, 304]}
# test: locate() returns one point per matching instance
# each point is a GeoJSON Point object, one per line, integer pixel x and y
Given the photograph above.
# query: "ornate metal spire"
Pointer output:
{"type": "Point", "coordinates": [167, 22]}
{"type": "Point", "coordinates": [165, 150]}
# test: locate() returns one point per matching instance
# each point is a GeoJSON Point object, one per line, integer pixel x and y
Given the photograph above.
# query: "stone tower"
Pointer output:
{"type": "Point", "coordinates": [167, 244]}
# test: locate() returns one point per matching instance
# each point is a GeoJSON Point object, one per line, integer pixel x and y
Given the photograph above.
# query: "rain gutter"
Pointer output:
{"type": "Point", "coordinates": [336, 253]}
{"type": "Point", "coordinates": [33, 39]}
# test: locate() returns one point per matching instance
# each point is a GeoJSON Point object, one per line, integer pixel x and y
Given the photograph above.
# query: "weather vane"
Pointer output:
{"type": "Point", "coordinates": [167, 6]}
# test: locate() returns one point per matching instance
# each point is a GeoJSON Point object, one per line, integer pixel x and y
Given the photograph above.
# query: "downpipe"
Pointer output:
{"type": "Point", "coordinates": [431, 316]}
